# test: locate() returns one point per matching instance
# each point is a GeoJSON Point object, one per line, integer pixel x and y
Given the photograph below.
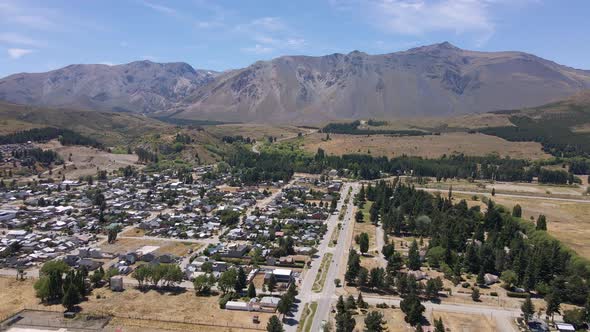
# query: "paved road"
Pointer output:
{"type": "Point", "coordinates": [340, 254]}
{"type": "Point", "coordinates": [306, 295]}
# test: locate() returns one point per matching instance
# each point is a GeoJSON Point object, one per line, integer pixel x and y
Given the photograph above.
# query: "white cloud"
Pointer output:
{"type": "Point", "coordinates": [270, 34]}
{"type": "Point", "coordinates": [17, 53]}
{"type": "Point", "coordinates": [258, 49]}
{"type": "Point", "coordinates": [160, 8]}
{"type": "Point", "coordinates": [15, 38]}
{"type": "Point", "coordinates": [420, 17]}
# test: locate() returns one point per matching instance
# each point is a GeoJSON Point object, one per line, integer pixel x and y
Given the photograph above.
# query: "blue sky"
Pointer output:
{"type": "Point", "coordinates": [39, 36]}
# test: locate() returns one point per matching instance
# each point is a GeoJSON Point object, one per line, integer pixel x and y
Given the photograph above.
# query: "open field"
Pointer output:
{"type": "Point", "coordinates": [86, 160]}
{"type": "Point", "coordinates": [567, 221]}
{"type": "Point", "coordinates": [510, 187]}
{"type": "Point", "coordinates": [139, 310]}
{"type": "Point", "coordinates": [431, 146]}
{"type": "Point", "coordinates": [166, 247]}
{"type": "Point", "coordinates": [14, 295]}
{"type": "Point", "coordinates": [257, 131]}
{"type": "Point", "coordinates": [465, 322]}
{"type": "Point", "coordinates": [393, 317]}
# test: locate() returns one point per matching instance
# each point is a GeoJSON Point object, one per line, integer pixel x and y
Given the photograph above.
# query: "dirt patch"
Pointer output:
{"type": "Point", "coordinates": [86, 161]}
{"type": "Point", "coordinates": [431, 146]}
{"type": "Point", "coordinates": [125, 245]}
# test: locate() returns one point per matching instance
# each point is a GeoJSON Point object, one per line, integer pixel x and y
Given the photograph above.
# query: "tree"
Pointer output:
{"type": "Point", "coordinates": [377, 277]}
{"type": "Point", "coordinates": [344, 320]}
{"type": "Point", "coordinates": [251, 290]}
{"type": "Point", "coordinates": [493, 191]}
{"type": "Point", "coordinates": [475, 294]}
{"type": "Point", "coordinates": [203, 284]}
{"type": "Point", "coordinates": [227, 281]}
{"type": "Point", "coordinates": [274, 325]}
{"type": "Point", "coordinates": [284, 305]}
{"type": "Point", "coordinates": [57, 266]}
{"type": "Point", "coordinates": [541, 223]}
{"type": "Point", "coordinates": [438, 325]}
{"type": "Point", "coordinates": [374, 322]}
{"type": "Point", "coordinates": [414, 262]}
{"type": "Point", "coordinates": [360, 302]}
{"type": "Point", "coordinates": [553, 303]}
{"type": "Point", "coordinates": [71, 297]}
{"type": "Point", "coordinates": [97, 277]}
{"type": "Point", "coordinates": [480, 277]}
{"type": "Point", "coordinates": [364, 242]}
{"type": "Point", "coordinates": [388, 250]}
{"type": "Point", "coordinates": [337, 282]}
{"type": "Point", "coordinates": [141, 274]}
{"type": "Point", "coordinates": [272, 283]}
{"type": "Point", "coordinates": [510, 278]}
{"type": "Point", "coordinates": [576, 317]}
{"type": "Point", "coordinates": [363, 277]}
{"type": "Point", "coordinates": [413, 309]}
{"type": "Point", "coordinates": [517, 211]}
{"type": "Point", "coordinates": [241, 280]}
{"type": "Point", "coordinates": [359, 216]}
{"type": "Point", "coordinates": [433, 286]}
{"type": "Point", "coordinates": [527, 308]}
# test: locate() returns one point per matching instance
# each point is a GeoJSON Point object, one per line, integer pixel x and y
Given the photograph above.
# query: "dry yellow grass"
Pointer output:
{"type": "Point", "coordinates": [393, 317]}
{"type": "Point", "coordinates": [85, 160]}
{"type": "Point", "coordinates": [567, 221]}
{"type": "Point", "coordinates": [125, 245]}
{"type": "Point", "coordinates": [465, 322]}
{"type": "Point", "coordinates": [430, 146]}
{"type": "Point", "coordinates": [15, 295]}
{"type": "Point", "coordinates": [179, 308]}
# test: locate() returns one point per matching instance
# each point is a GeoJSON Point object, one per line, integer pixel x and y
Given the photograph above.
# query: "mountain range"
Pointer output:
{"type": "Point", "coordinates": [434, 80]}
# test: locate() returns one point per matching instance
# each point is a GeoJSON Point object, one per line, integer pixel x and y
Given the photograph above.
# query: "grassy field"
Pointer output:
{"type": "Point", "coordinates": [567, 221]}
{"type": "Point", "coordinates": [430, 146]}
{"type": "Point", "coordinates": [256, 131]}
{"type": "Point", "coordinates": [320, 278]}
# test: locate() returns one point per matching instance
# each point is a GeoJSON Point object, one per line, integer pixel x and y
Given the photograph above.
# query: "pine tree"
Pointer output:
{"type": "Point", "coordinates": [414, 257]}
{"type": "Point", "coordinates": [251, 290]}
{"type": "Point", "coordinates": [439, 326]}
{"type": "Point", "coordinates": [542, 223]}
{"type": "Point", "coordinates": [517, 211]}
{"type": "Point", "coordinates": [374, 322]}
{"type": "Point", "coordinates": [274, 325]}
{"type": "Point", "coordinates": [475, 294]}
{"type": "Point", "coordinates": [71, 297]}
{"type": "Point", "coordinates": [528, 309]}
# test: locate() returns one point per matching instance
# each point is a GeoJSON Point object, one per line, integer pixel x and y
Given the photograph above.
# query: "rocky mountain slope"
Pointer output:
{"type": "Point", "coordinates": [435, 80]}
{"type": "Point", "coordinates": [141, 86]}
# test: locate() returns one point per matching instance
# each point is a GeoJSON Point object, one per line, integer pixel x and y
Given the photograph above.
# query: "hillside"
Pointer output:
{"type": "Point", "coordinates": [107, 127]}
{"type": "Point", "coordinates": [141, 86]}
{"type": "Point", "coordinates": [436, 80]}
